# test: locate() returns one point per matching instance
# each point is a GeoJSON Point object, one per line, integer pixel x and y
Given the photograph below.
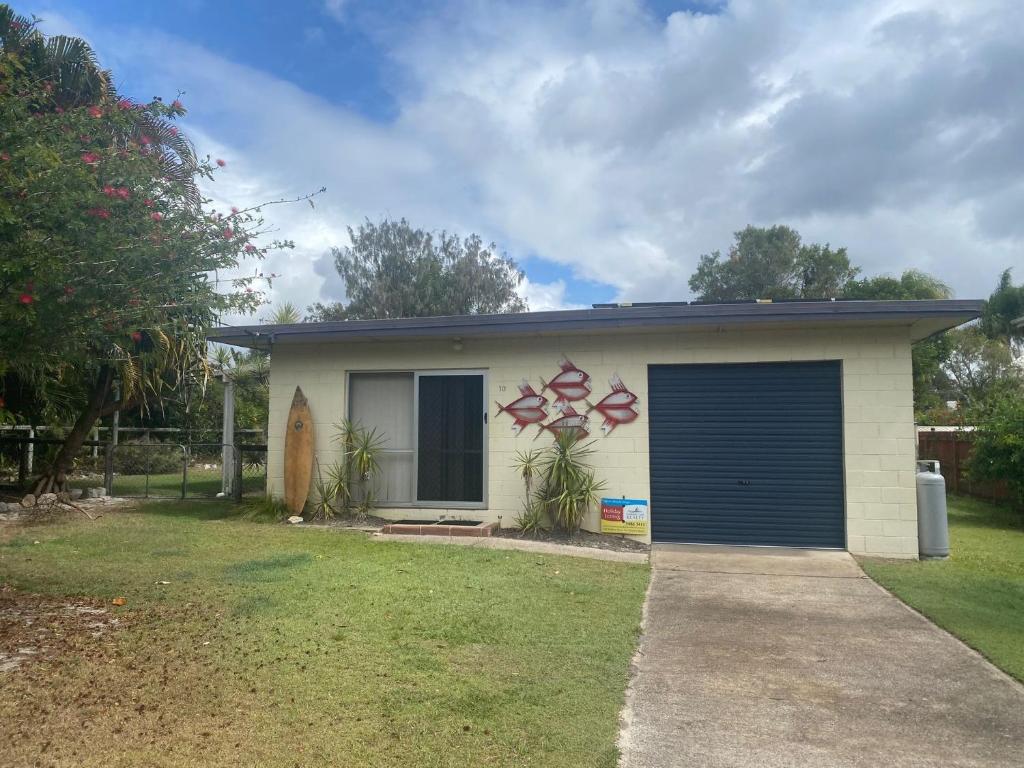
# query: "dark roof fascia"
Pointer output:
{"type": "Point", "coordinates": [956, 311]}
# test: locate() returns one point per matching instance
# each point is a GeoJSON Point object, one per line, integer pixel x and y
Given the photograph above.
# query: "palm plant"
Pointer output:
{"type": "Point", "coordinates": [568, 486]}
{"type": "Point", "coordinates": [355, 474]}
{"type": "Point", "coordinates": [531, 519]}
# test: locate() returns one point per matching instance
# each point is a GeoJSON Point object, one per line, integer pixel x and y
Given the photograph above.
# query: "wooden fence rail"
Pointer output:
{"type": "Point", "coordinates": [953, 451]}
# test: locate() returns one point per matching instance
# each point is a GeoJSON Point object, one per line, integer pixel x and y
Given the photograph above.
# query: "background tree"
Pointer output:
{"type": "Point", "coordinates": [772, 263]}
{"type": "Point", "coordinates": [110, 255]}
{"type": "Point", "coordinates": [320, 312]}
{"type": "Point", "coordinates": [1005, 305]}
{"type": "Point", "coordinates": [394, 270]}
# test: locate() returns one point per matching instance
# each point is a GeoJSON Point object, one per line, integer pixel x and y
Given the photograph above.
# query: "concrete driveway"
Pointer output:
{"type": "Point", "coordinates": [766, 657]}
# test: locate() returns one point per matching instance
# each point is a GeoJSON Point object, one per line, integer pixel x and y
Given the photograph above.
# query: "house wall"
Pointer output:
{"type": "Point", "coordinates": [879, 439]}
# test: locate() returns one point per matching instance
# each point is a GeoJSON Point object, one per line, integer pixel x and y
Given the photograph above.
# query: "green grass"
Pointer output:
{"type": "Point", "coordinates": [201, 483]}
{"type": "Point", "coordinates": [274, 645]}
{"type": "Point", "coordinates": [978, 594]}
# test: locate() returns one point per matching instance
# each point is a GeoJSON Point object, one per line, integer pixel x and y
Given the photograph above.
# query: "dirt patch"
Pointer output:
{"type": "Point", "coordinates": [370, 523]}
{"type": "Point", "coordinates": [579, 539]}
{"type": "Point", "coordinates": [34, 628]}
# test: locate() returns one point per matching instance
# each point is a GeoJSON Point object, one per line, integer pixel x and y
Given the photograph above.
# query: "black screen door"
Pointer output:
{"type": "Point", "coordinates": [450, 464]}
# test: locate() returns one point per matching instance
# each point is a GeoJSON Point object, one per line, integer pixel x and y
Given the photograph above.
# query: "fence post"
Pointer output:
{"type": "Point", "coordinates": [108, 466]}
{"type": "Point", "coordinates": [23, 463]}
{"type": "Point", "coordinates": [31, 449]}
{"type": "Point", "coordinates": [228, 439]}
{"type": "Point", "coordinates": [236, 485]}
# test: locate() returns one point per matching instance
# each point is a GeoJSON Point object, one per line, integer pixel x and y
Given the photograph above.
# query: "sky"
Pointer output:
{"type": "Point", "coordinates": [604, 145]}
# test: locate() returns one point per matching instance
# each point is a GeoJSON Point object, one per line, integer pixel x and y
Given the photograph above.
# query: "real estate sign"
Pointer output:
{"type": "Point", "coordinates": [625, 516]}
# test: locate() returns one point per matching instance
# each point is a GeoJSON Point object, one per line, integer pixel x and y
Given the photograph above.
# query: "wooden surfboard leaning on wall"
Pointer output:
{"type": "Point", "coordinates": [298, 453]}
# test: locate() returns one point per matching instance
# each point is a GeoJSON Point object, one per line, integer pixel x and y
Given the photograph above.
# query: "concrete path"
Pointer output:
{"type": "Point", "coordinates": [767, 657]}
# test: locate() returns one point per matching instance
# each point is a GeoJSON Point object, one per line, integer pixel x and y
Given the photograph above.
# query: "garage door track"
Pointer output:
{"type": "Point", "coordinates": [770, 657]}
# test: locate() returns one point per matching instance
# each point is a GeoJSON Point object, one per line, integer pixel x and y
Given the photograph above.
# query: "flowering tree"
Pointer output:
{"type": "Point", "coordinates": [110, 254]}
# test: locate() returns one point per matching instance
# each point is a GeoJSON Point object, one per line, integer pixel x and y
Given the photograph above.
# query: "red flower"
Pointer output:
{"type": "Point", "coordinates": [234, 209]}
{"type": "Point", "coordinates": [148, 203]}
{"type": "Point", "coordinates": [176, 104]}
{"type": "Point", "coordinates": [123, 193]}
{"type": "Point", "coordinates": [4, 156]}
{"type": "Point", "coordinates": [95, 112]}
{"type": "Point", "coordinates": [220, 162]}
{"type": "Point", "coordinates": [59, 110]}
{"type": "Point", "coordinates": [109, 191]}
{"type": "Point", "coordinates": [174, 131]}
{"type": "Point", "coordinates": [136, 337]}
{"type": "Point", "coordinates": [99, 213]}
{"type": "Point", "coordinates": [68, 290]}
{"type": "Point", "coordinates": [156, 216]}
{"type": "Point", "coordinates": [228, 233]}
{"type": "Point", "coordinates": [25, 298]}
{"type": "Point", "coordinates": [144, 139]}
{"type": "Point", "coordinates": [124, 103]}
{"type": "Point", "coordinates": [250, 248]}
{"type": "Point", "coordinates": [90, 158]}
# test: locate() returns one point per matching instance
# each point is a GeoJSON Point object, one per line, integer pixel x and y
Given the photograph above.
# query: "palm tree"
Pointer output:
{"type": "Point", "coordinates": [70, 66]}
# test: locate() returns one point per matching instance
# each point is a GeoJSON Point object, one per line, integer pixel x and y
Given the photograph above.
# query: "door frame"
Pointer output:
{"type": "Point", "coordinates": [484, 456]}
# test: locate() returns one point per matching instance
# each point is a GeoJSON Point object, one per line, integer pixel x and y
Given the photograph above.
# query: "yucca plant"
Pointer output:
{"type": "Point", "coordinates": [569, 486]}
{"type": "Point", "coordinates": [325, 494]}
{"type": "Point", "coordinates": [355, 475]}
{"type": "Point", "coordinates": [533, 517]}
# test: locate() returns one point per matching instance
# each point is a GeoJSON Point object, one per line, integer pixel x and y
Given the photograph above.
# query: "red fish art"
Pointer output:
{"type": "Point", "coordinates": [616, 407]}
{"type": "Point", "coordinates": [571, 384]}
{"type": "Point", "coordinates": [530, 408]}
{"type": "Point", "coordinates": [569, 421]}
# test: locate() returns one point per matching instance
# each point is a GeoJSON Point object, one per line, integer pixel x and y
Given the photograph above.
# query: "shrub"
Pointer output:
{"type": "Point", "coordinates": [568, 487]}
{"type": "Point", "coordinates": [998, 445]}
{"type": "Point", "coordinates": [268, 509]}
{"type": "Point", "coordinates": [140, 458]}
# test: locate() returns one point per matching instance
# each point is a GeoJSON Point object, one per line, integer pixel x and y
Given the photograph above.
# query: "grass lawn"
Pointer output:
{"type": "Point", "coordinates": [204, 483]}
{"type": "Point", "coordinates": [279, 646]}
{"type": "Point", "coordinates": [978, 594]}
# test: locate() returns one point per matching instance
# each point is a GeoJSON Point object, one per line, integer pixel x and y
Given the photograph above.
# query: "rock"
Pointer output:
{"type": "Point", "coordinates": [3, 507]}
{"type": "Point", "coordinates": [28, 501]}
{"type": "Point", "coordinates": [75, 493]}
{"type": "Point", "coordinates": [294, 519]}
{"type": "Point", "coordinates": [46, 498]}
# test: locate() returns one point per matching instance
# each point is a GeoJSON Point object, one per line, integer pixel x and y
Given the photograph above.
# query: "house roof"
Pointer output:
{"type": "Point", "coordinates": [923, 317]}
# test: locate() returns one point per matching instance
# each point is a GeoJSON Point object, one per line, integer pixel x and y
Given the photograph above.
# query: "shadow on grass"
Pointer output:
{"type": "Point", "coordinates": [973, 513]}
{"type": "Point", "coordinates": [196, 509]}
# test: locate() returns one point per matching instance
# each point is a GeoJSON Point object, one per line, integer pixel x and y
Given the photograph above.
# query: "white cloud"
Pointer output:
{"type": "Point", "coordinates": [547, 296]}
{"type": "Point", "coordinates": [336, 9]}
{"type": "Point", "coordinates": [623, 146]}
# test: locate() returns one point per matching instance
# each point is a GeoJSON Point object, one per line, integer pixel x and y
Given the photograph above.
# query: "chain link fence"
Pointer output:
{"type": "Point", "coordinates": [141, 468]}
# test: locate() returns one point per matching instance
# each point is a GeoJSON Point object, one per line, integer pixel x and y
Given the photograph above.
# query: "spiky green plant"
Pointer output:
{"type": "Point", "coordinates": [569, 486]}
{"type": "Point", "coordinates": [356, 473]}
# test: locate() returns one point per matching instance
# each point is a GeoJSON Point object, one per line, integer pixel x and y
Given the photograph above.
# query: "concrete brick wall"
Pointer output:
{"type": "Point", "coordinates": [879, 438]}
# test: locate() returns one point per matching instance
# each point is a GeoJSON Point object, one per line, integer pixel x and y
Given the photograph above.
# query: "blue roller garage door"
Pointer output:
{"type": "Point", "coordinates": [747, 454]}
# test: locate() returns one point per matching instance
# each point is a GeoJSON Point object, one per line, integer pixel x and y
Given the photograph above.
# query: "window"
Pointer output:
{"type": "Point", "coordinates": [434, 428]}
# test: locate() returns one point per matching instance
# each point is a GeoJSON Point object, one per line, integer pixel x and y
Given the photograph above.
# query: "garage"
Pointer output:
{"type": "Point", "coordinates": [747, 454]}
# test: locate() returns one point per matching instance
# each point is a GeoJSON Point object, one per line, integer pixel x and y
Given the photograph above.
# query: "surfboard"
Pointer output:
{"type": "Point", "coordinates": [298, 453]}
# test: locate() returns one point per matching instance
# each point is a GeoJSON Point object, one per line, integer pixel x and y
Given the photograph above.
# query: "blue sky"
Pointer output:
{"type": "Point", "coordinates": [605, 144]}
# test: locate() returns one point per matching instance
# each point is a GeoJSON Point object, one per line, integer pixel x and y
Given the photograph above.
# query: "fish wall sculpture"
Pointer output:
{"type": "Point", "coordinates": [570, 385]}
{"type": "Point", "coordinates": [530, 408]}
{"type": "Point", "coordinates": [569, 421]}
{"type": "Point", "coordinates": [616, 407]}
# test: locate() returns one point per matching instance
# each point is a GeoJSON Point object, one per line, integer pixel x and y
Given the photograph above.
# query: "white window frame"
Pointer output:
{"type": "Point", "coordinates": [416, 373]}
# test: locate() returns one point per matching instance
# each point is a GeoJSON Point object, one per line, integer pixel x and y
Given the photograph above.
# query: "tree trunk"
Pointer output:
{"type": "Point", "coordinates": [54, 480]}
